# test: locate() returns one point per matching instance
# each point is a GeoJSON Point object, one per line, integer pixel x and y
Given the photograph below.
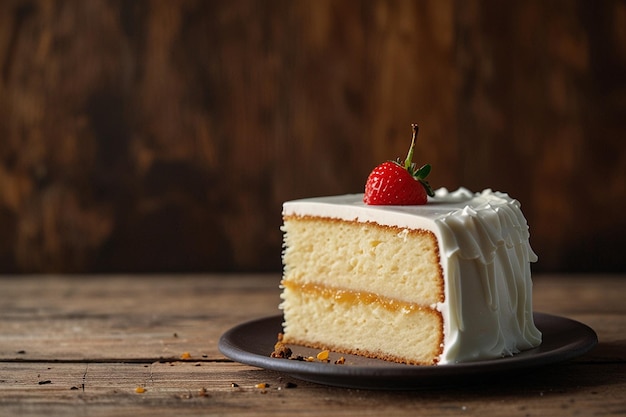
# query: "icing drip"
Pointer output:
{"type": "Point", "coordinates": [490, 255]}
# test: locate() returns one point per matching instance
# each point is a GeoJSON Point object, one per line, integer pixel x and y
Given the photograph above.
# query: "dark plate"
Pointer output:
{"type": "Point", "coordinates": [252, 343]}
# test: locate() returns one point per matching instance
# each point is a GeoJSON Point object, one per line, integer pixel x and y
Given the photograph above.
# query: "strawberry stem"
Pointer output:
{"type": "Point", "coordinates": [409, 157]}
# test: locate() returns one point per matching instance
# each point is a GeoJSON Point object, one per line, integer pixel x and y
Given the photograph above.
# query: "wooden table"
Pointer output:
{"type": "Point", "coordinates": [83, 345]}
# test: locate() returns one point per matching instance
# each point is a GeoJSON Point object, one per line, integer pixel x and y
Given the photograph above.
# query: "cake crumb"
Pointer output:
{"type": "Point", "coordinates": [185, 355]}
{"type": "Point", "coordinates": [140, 390]}
{"type": "Point", "coordinates": [340, 361]}
{"type": "Point", "coordinates": [262, 385]}
{"type": "Point", "coordinates": [281, 350]}
{"type": "Point", "coordinates": [323, 355]}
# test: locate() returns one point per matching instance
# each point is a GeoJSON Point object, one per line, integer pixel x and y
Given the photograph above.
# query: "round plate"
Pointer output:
{"type": "Point", "coordinates": [251, 343]}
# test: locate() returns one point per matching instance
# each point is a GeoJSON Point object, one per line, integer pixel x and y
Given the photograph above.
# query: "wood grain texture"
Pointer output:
{"type": "Point", "coordinates": [89, 343]}
{"type": "Point", "coordinates": [190, 390]}
{"type": "Point", "coordinates": [156, 136]}
{"type": "Point", "coordinates": [151, 318]}
{"type": "Point", "coordinates": [139, 318]}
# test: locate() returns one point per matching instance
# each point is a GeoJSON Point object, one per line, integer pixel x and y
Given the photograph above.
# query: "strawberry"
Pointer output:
{"type": "Point", "coordinates": [394, 183]}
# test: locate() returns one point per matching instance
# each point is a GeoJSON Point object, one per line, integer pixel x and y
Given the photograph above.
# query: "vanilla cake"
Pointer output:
{"type": "Point", "coordinates": [440, 283]}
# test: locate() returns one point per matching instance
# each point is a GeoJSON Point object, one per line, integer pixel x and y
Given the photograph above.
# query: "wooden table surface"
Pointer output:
{"type": "Point", "coordinates": [82, 345]}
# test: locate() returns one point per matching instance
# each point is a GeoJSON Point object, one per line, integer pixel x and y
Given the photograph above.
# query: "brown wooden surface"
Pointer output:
{"type": "Point", "coordinates": [81, 346]}
{"type": "Point", "coordinates": [163, 136]}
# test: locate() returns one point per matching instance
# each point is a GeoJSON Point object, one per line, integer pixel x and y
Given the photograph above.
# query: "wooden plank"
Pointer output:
{"type": "Point", "coordinates": [126, 318]}
{"type": "Point", "coordinates": [123, 318]}
{"type": "Point", "coordinates": [89, 343]}
{"type": "Point", "coordinates": [104, 340]}
{"type": "Point", "coordinates": [187, 389]}
{"type": "Point", "coordinates": [99, 294]}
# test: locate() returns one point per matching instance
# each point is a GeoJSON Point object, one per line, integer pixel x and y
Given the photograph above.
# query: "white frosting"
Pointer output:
{"type": "Point", "coordinates": [485, 258]}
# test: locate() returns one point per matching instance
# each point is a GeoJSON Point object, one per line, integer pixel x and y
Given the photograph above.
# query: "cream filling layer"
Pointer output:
{"type": "Point", "coordinates": [353, 297]}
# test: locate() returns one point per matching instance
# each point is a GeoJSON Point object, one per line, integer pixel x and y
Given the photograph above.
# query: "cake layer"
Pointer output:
{"type": "Point", "coordinates": [393, 262]}
{"type": "Point", "coordinates": [361, 324]}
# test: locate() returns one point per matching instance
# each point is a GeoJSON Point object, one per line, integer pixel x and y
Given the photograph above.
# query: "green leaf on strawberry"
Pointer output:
{"type": "Point", "coordinates": [397, 183]}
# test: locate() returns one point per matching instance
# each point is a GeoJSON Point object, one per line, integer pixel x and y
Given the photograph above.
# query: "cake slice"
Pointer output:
{"type": "Point", "coordinates": [444, 282]}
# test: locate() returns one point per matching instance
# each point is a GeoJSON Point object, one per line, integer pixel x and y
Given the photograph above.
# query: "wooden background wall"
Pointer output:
{"type": "Point", "coordinates": [164, 135]}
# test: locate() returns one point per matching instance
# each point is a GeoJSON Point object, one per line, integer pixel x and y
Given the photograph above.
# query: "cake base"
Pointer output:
{"type": "Point", "coordinates": [361, 324]}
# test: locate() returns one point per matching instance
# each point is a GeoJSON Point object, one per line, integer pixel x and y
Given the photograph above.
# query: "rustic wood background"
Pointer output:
{"type": "Point", "coordinates": [147, 136]}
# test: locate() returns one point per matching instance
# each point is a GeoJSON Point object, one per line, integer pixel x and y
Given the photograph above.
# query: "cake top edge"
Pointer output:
{"type": "Point", "coordinates": [442, 204]}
